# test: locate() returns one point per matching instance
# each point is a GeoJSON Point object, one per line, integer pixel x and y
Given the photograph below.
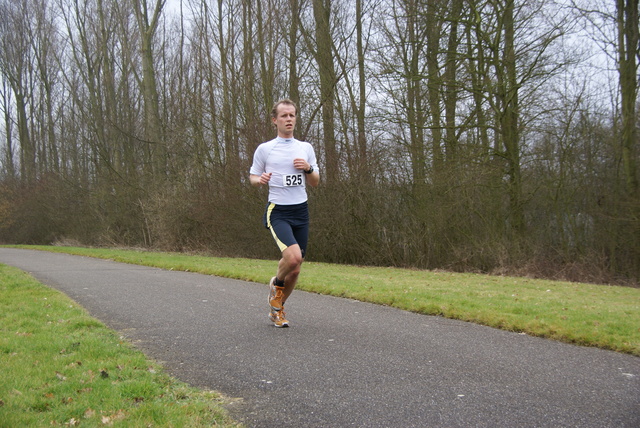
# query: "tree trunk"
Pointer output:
{"type": "Point", "coordinates": [362, 157]}
{"type": "Point", "coordinates": [148, 25]}
{"type": "Point", "coordinates": [508, 121]}
{"type": "Point", "coordinates": [627, 20]}
{"type": "Point", "coordinates": [328, 80]}
{"type": "Point", "coordinates": [415, 101]}
{"type": "Point", "coordinates": [294, 78]}
{"type": "Point", "coordinates": [451, 85]}
{"type": "Point", "coordinates": [9, 161]}
{"type": "Point", "coordinates": [434, 81]}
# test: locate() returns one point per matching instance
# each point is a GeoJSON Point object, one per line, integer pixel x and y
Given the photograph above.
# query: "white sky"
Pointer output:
{"type": "Point", "coordinates": [172, 6]}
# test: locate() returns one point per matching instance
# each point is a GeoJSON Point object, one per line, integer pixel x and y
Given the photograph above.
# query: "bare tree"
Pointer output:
{"type": "Point", "coordinates": [15, 62]}
{"type": "Point", "coordinates": [437, 122]}
{"type": "Point", "coordinates": [294, 33]}
{"type": "Point", "coordinates": [433, 24]}
{"type": "Point", "coordinates": [148, 19]}
{"type": "Point", "coordinates": [328, 80]}
{"type": "Point", "coordinates": [8, 161]}
{"type": "Point", "coordinates": [507, 97]}
{"type": "Point", "coordinates": [628, 56]}
{"type": "Point", "coordinates": [360, 107]}
{"type": "Point", "coordinates": [450, 79]}
{"type": "Point", "coordinates": [43, 40]}
{"type": "Point", "coordinates": [614, 26]}
{"type": "Point", "coordinates": [515, 42]}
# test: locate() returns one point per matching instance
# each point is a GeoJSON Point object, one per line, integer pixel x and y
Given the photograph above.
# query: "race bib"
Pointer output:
{"type": "Point", "coordinates": [292, 180]}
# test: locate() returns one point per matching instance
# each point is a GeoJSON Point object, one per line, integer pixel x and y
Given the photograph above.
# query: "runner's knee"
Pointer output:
{"type": "Point", "coordinates": [293, 258]}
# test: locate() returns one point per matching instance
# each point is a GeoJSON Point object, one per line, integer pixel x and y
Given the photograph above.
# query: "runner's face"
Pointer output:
{"type": "Point", "coordinates": [285, 120]}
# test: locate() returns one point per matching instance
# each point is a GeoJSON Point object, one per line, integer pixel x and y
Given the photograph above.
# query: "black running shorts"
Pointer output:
{"type": "Point", "coordinates": [289, 224]}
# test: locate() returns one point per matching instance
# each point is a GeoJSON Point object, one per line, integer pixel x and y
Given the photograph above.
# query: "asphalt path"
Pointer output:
{"type": "Point", "coordinates": [342, 362]}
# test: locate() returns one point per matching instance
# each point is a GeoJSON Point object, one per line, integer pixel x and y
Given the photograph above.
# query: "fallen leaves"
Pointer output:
{"type": "Point", "coordinates": [90, 413]}
{"type": "Point", "coordinates": [118, 416]}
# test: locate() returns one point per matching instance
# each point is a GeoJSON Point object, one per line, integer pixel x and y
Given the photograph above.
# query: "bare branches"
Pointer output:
{"type": "Point", "coordinates": [436, 121]}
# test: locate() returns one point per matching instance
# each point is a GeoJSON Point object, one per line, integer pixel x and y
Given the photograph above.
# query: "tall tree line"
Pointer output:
{"type": "Point", "coordinates": [454, 134]}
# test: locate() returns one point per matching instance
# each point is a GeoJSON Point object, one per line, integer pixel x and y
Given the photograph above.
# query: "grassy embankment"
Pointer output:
{"type": "Point", "coordinates": [585, 314]}
{"type": "Point", "coordinates": [61, 367]}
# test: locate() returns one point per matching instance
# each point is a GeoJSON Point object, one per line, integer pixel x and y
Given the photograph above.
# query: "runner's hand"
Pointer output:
{"type": "Point", "coordinates": [302, 164]}
{"type": "Point", "coordinates": [265, 177]}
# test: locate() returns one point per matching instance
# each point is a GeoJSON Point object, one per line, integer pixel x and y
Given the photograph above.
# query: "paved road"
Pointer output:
{"type": "Point", "coordinates": [344, 363]}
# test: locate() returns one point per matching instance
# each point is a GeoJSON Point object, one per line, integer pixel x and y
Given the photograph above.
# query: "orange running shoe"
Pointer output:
{"type": "Point", "coordinates": [275, 295]}
{"type": "Point", "coordinates": [278, 318]}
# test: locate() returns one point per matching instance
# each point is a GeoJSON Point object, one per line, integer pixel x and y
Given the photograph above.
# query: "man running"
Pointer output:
{"type": "Point", "coordinates": [286, 165]}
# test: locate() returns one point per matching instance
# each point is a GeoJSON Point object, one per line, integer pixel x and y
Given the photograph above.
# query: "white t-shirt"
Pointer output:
{"type": "Point", "coordinates": [287, 184]}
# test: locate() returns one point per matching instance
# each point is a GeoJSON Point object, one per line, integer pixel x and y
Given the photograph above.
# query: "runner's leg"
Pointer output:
{"type": "Point", "coordinates": [290, 229]}
{"type": "Point", "coordinates": [289, 269]}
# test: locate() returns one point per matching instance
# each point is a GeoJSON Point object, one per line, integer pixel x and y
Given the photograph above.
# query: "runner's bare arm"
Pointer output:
{"type": "Point", "coordinates": [259, 180]}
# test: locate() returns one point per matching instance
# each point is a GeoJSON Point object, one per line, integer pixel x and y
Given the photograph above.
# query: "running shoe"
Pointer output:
{"type": "Point", "coordinates": [275, 295]}
{"type": "Point", "coordinates": [278, 318]}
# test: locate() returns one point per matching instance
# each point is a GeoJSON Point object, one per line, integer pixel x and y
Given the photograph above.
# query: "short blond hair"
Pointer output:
{"type": "Point", "coordinates": [286, 101]}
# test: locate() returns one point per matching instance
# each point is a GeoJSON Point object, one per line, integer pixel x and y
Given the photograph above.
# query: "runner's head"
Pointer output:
{"type": "Point", "coordinates": [274, 111]}
{"type": "Point", "coordinates": [283, 117]}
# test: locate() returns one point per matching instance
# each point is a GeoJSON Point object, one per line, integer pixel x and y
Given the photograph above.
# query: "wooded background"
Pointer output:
{"type": "Point", "coordinates": [494, 136]}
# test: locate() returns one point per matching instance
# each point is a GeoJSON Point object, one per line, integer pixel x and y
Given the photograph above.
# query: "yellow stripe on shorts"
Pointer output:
{"type": "Point", "coordinates": [281, 244]}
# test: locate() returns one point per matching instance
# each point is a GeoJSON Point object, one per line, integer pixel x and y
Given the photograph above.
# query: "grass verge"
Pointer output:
{"type": "Point", "coordinates": [60, 367]}
{"type": "Point", "coordinates": [585, 314]}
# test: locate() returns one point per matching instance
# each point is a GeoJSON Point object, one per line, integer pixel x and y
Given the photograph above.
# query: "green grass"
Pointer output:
{"type": "Point", "coordinates": [60, 367]}
{"type": "Point", "coordinates": [585, 314]}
